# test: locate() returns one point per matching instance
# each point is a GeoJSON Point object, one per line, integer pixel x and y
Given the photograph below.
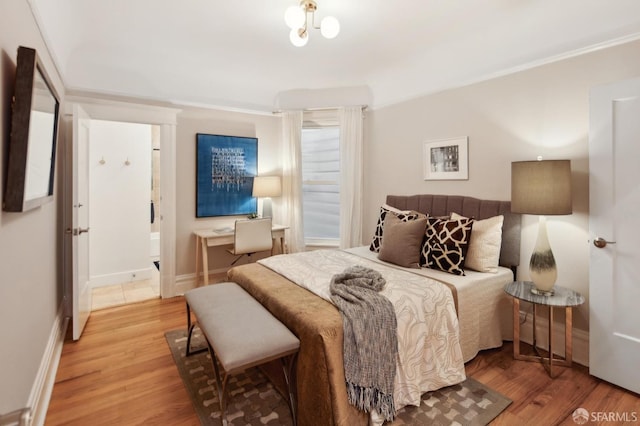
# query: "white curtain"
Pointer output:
{"type": "Point", "coordinates": [351, 172]}
{"type": "Point", "coordinates": [292, 179]}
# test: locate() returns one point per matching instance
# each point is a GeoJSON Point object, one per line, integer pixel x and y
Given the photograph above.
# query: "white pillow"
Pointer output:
{"type": "Point", "coordinates": [483, 252]}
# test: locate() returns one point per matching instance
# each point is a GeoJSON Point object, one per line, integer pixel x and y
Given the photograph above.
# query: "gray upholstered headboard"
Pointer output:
{"type": "Point", "coordinates": [443, 205]}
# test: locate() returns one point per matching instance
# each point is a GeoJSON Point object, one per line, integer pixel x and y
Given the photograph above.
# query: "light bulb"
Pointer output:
{"type": "Point", "coordinates": [294, 16]}
{"type": "Point", "coordinates": [330, 27]}
{"type": "Point", "coordinates": [298, 39]}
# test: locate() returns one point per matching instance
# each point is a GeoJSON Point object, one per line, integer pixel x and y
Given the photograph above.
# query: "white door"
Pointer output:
{"type": "Point", "coordinates": [614, 222]}
{"type": "Point", "coordinates": [81, 292]}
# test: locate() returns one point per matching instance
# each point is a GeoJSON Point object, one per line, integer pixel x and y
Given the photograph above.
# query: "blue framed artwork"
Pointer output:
{"type": "Point", "coordinates": [225, 168]}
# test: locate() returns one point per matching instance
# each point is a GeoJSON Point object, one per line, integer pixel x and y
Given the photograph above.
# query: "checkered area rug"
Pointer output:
{"type": "Point", "coordinates": [252, 399]}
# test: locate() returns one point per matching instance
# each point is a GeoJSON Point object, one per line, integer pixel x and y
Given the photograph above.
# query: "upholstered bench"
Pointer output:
{"type": "Point", "coordinates": [240, 334]}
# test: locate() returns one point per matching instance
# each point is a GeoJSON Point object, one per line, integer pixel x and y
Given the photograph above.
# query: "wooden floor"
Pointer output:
{"type": "Point", "coordinates": [121, 372]}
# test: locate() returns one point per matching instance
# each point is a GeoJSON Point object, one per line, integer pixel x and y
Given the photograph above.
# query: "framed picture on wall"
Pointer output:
{"type": "Point", "coordinates": [446, 159]}
{"type": "Point", "coordinates": [225, 168]}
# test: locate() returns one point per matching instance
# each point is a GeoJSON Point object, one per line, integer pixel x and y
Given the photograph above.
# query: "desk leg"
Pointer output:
{"type": "Point", "coordinates": [205, 261]}
{"type": "Point", "coordinates": [197, 260]}
{"type": "Point", "coordinates": [278, 243]}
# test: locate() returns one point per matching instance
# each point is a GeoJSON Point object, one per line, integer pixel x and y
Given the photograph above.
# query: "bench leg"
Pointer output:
{"type": "Point", "coordinates": [288, 364]}
{"type": "Point", "coordinates": [190, 328]}
{"type": "Point", "coordinates": [221, 385]}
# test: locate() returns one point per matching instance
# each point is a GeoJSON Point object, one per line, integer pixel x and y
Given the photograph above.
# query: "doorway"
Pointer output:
{"type": "Point", "coordinates": [124, 188]}
{"type": "Point", "coordinates": [165, 119]}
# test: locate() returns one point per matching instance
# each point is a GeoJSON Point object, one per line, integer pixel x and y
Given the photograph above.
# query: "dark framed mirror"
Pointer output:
{"type": "Point", "coordinates": [34, 134]}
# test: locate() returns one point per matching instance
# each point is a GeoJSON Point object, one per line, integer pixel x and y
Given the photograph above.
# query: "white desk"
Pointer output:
{"type": "Point", "coordinates": [206, 238]}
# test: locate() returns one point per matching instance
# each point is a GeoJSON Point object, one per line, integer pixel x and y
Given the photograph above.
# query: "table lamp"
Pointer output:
{"type": "Point", "coordinates": [544, 188]}
{"type": "Point", "coordinates": [266, 187]}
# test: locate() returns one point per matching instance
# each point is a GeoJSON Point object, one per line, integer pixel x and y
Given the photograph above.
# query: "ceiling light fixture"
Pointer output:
{"type": "Point", "coordinates": [297, 18]}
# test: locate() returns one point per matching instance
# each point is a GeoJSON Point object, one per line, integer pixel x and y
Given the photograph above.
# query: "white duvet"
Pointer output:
{"type": "Point", "coordinates": [484, 309]}
{"type": "Point", "coordinates": [429, 353]}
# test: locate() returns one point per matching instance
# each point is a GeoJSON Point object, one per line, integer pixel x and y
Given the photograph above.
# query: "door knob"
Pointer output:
{"type": "Point", "coordinates": [601, 242]}
{"type": "Point", "coordinates": [76, 231]}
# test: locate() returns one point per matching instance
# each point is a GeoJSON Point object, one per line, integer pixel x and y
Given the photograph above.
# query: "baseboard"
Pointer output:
{"type": "Point", "coordinates": [43, 384]}
{"type": "Point", "coordinates": [186, 282]}
{"type": "Point", "coordinates": [580, 338]}
{"type": "Point", "coordinates": [121, 277]}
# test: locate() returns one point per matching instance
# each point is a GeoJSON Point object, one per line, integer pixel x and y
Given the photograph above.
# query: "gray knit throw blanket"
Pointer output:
{"type": "Point", "coordinates": [370, 339]}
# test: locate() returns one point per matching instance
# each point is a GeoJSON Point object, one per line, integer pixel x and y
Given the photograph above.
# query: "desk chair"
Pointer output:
{"type": "Point", "coordinates": [251, 236]}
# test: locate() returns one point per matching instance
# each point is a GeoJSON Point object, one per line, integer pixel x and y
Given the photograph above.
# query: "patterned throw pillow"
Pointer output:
{"type": "Point", "coordinates": [445, 244]}
{"type": "Point", "coordinates": [403, 215]}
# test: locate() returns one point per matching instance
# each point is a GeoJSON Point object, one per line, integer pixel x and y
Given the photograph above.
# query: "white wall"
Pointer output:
{"type": "Point", "coordinates": [542, 111]}
{"type": "Point", "coordinates": [30, 242]}
{"type": "Point", "coordinates": [119, 214]}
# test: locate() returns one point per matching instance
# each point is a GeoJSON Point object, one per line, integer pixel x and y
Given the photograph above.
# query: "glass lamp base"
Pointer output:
{"type": "Point", "coordinates": [542, 292]}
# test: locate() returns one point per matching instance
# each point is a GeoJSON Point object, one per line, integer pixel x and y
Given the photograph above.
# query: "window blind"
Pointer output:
{"type": "Point", "coordinates": [320, 183]}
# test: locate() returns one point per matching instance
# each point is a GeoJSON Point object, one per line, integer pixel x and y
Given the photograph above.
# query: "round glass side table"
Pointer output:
{"type": "Point", "coordinates": [562, 298]}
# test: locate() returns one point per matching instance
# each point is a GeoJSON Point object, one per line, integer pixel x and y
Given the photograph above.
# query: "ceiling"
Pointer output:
{"type": "Point", "coordinates": [236, 53]}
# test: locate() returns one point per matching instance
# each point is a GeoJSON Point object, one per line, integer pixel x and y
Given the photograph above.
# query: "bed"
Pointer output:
{"type": "Point", "coordinates": [479, 318]}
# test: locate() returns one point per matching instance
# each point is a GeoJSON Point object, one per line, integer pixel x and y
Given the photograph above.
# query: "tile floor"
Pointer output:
{"type": "Point", "coordinates": [131, 292]}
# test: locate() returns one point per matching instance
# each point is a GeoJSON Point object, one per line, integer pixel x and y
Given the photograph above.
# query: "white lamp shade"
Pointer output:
{"type": "Point", "coordinates": [294, 17]}
{"type": "Point", "coordinates": [266, 186]}
{"type": "Point", "coordinates": [296, 40]}
{"type": "Point", "coordinates": [330, 27]}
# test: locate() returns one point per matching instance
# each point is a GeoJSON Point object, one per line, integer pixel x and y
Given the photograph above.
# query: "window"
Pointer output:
{"type": "Point", "coordinates": [321, 185]}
